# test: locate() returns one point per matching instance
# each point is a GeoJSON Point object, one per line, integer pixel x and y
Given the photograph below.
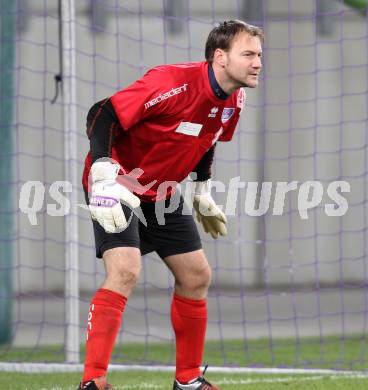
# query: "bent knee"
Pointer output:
{"type": "Point", "coordinates": [197, 279]}
{"type": "Point", "coordinates": [123, 265]}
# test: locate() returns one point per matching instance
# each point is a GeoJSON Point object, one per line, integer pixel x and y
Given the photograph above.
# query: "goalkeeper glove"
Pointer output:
{"type": "Point", "coordinates": [106, 195]}
{"type": "Point", "coordinates": [208, 213]}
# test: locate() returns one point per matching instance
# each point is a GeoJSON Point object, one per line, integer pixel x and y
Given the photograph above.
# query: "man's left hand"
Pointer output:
{"type": "Point", "coordinates": [208, 213]}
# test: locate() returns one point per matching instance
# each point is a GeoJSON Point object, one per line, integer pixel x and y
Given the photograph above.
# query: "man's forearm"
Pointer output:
{"type": "Point", "coordinates": [102, 124]}
{"type": "Point", "coordinates": [203, 168]}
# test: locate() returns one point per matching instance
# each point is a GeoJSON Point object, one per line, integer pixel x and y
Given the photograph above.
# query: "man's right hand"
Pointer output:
{"type": "Point", "coordinates": [106, 195]}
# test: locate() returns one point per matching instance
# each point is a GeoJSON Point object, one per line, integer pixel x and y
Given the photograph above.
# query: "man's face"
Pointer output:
{"type": "Point", "coordinates": [242, 63]}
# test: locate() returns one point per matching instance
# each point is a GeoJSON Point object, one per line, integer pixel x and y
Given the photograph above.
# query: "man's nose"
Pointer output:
{"type": "Point", "coordinates": [257, 63]}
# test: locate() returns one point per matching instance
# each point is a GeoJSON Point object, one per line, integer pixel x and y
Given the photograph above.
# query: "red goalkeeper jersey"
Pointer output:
{"type": "Point", "coordinates": [170, 118]}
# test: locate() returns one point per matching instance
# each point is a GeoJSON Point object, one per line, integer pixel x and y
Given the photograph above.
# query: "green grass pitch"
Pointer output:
{"type": "Point", "coordinates": [331, 352]}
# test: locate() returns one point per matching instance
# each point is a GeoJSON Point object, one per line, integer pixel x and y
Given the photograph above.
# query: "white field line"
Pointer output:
{"type": "Point", "coordinates": [62, 367]}
{"type": "Point", "coordinates": [225, 381]}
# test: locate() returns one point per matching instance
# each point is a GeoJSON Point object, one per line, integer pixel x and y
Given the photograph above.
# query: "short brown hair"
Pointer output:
{"type": "Point", "coordinates": [222, 36]}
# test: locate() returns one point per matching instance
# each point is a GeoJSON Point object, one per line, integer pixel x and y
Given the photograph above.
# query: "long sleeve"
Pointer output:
{"type": "Point", "coordinates": [102, 124]}
{"type": "Point", "coordinates": [203, 168]}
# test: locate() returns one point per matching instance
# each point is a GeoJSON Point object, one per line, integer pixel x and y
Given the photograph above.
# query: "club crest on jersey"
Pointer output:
{"type": "Point", "coordinates": [227, 113]}
{"type": "Point", "coordinates": [213, 112]}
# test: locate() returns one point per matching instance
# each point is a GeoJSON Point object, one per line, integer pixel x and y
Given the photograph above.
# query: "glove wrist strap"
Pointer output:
{"type": "Point", "coordinates": [104, 170]}
{"type": "Point", "coordinates": [202, 187]}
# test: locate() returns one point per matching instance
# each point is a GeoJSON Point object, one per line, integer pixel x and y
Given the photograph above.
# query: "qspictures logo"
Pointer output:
{"type": "Point", "coordinates": [166, 95]}
{"type": "Point", "coordinates": [253, 198]}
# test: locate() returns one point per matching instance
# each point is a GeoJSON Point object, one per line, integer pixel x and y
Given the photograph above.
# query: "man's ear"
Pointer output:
{"type": "Point", "coordinates": [219, 57]}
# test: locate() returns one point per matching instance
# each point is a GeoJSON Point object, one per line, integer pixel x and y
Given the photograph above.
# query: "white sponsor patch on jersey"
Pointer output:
{"type": "Point", "coordinates": [227, 113]}
{"type": "Point", "coordinates": [189, 128]}
{"type": "Point", "coordinates": [166, 95]}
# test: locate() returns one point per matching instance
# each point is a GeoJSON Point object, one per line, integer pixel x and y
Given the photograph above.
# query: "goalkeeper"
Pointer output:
{"type": "Point", "coordinates": [159, 130]}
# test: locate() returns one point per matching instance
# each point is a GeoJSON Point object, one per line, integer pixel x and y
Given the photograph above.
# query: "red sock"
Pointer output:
{"type": "Point", "coordinates": [104, 319]}
{"type": "Point", "coordinates": [189, 320]}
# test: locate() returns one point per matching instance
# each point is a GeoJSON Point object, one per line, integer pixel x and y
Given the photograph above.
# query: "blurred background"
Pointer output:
{"type": "Point", "coordinates": [274, 276]}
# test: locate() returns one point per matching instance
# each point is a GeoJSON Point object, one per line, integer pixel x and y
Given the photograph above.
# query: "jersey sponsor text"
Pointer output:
{"type": "Point", "coordinates": [166, 95]}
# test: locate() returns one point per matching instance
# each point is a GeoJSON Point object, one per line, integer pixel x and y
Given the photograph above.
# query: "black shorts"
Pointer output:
{"type": "Point", "coordinates": [168, 234]}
